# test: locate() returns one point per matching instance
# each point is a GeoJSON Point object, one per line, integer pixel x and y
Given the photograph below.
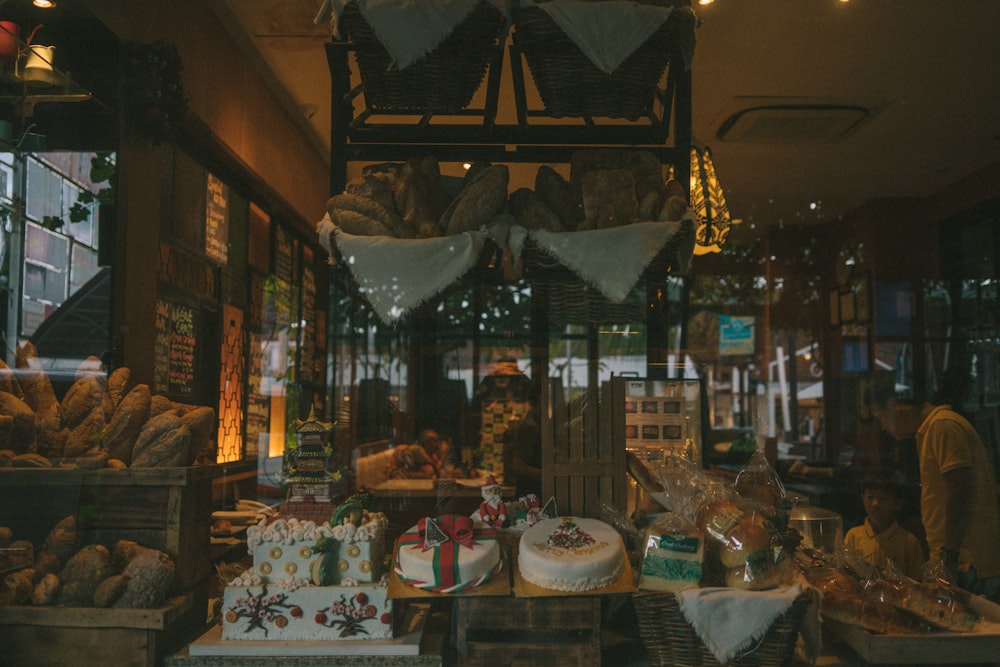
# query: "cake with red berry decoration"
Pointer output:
{"type": "Point", "coordinates": [311, 581]}
{"type": "Point", "coordinates": [571, 554]}
{"type": "Point", "coordinates": [447, 554]}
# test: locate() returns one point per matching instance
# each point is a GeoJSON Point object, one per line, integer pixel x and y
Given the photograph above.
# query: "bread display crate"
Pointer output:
{"type": "Point", "coordinates": [168, 509]}
{"type": "Point", "coordinates": [82, 636]}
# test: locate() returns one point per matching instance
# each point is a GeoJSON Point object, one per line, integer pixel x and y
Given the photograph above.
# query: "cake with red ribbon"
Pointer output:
{"type": "Point", "coordinates": [571, 554]}
{"type": "Point", "coordinates": [448, 553]}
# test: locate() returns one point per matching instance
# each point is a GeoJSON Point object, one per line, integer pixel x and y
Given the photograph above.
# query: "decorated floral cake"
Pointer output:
{"type": "Point", "coordinates": [448, 553]}
{"type": "Point", "coordinates": [571, 554]}
{"type": "Point", "coordinates": [317, 582]}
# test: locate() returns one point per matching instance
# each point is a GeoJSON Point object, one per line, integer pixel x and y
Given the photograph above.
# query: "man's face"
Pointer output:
{"type": "Point", "coordinates": [889, 418]}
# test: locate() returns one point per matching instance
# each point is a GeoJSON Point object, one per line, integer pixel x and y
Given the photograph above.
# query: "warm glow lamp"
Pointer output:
{"type": "Point", "coordinates": [709, 204]}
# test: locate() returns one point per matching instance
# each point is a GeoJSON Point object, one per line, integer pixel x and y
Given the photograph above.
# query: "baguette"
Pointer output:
{"type": "Point", "coordinates": [81, 398]}
{"type": "Point", "coordinates": [479, 200]}
{"type": "Point", "coordinates": [358, 224]}
{"type": "Point", "coordinates": [531, 212]}
{"type": "Point", "coordinates": [368, 207]}
{"type": "Point", "coordinates": [126, 423]}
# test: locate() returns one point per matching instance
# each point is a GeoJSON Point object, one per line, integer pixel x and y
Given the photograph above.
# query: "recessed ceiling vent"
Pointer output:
{"type": "Point", "coordinates": [793, 122]}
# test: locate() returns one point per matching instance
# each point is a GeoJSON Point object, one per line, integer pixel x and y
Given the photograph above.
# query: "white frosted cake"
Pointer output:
{"type": "Point", "coordinates": [448, 553]}
{"type": "Point", "coordinates": [312, 582]}
{"type": "Point", "coordinates": [571, 554]}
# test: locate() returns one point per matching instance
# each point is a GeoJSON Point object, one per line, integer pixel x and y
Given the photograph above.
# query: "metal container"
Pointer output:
{"type": "Point", "coordinates": [821, 529]}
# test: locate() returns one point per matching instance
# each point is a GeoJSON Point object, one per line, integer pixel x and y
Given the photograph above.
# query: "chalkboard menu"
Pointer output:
{"type": "Point", "coordinates": [216, 220]}
{"type": "Point", "coordinates": [175, 348]}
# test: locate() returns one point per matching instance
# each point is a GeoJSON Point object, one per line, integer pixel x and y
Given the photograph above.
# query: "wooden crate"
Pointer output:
{"type": "Point", "coordinates": [169, 509]}
{"type": "Point", "coordinates": [82, 637]}
{"type": "Point", "coordinates": [512, 631]}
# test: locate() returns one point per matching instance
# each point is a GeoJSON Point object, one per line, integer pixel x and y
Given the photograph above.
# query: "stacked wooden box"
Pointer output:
{"type": "Point", "coordinates": [509, 631]}
{"type": "Point", "coordinates": [162, 508]}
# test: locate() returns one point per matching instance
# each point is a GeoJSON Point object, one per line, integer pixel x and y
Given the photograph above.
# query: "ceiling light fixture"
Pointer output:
{"type": "Point", "coordinates": [44, 4]}
{"type": "Point", "coordinates": [709, 204]}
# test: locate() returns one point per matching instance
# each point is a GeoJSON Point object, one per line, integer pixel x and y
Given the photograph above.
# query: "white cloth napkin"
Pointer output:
{"type": "Point", "coordinates": [397, 275]}
{"type": "Point", "coordinates": [732, 621]}
{"type": "Point", "coordinates": [612, 260]}
{"type": "Point", "coordinates": [607, 32]}
{"type": "Point", "coordinates": [408, 29]}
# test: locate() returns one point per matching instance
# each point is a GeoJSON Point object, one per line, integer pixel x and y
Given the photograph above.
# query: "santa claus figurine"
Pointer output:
{"type": "Point", "coordinates": [492, 511]}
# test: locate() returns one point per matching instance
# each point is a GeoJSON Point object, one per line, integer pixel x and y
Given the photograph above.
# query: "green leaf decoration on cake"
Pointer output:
{"type": "Point", "coordinates": [352, 509]}
{"type": "Point", "coordinates": [330, 548]}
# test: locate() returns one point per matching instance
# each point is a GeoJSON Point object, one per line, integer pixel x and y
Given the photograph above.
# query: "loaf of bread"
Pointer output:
{"type": "Point", "coordinates": [479, 200]}
{"type": "Point", "coordinates": [38, 391]}
{"type": "Point", "coordinates": [9, 382]}
{"type": "Point", "coordinates": [164, 441]}
{"type": "Point", "coordinates": [148, 577]}
{"type": "Point", "coordinates": [50, 434]}
{"type": "Point", "coordinates": [61, 540]}
{"type": "Point", "coordinates": [21, 428]}
{"type": "Point", "coordinates": [747, 540]}
{"type": "Point", "coordinates": [557, 194]}
{"type": "Point", "coordinates": [200, 422]}
{"type": "Point", "coordinates": [81, 398]}
{"type": "Point", "coordinates": [531, 212]}
{"type": "Point", "coordinates": [117, 386]}
{"type": "Point", "coordinates": [86, 434]}
{"type": "Point", "coordinates": [939, 606]}
{"type": "Point", "coordinates": [160, 404]}
{"type": "Point", "coordinates": [126, 422]}
{"type": "Point", "coordinates": [377, 187]}
{"type": "Point", "coordinates": [109, 590]}
{"type": "Point", "coordinates": [369, 208]}
{"type": "Point", "coordinates": [83, 572]}
{"type": "Point", "coordinates": [418, 196]}
{"type": "Point", "coordinates": [30, 460]}
{"type": "Point", "coordinates": [609, 198]}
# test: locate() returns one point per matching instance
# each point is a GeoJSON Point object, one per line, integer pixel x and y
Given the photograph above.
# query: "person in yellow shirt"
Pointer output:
{"type": "Point", "coordinates": [958, 488]}
{"type": "Point", "coordinates": [880, 539]}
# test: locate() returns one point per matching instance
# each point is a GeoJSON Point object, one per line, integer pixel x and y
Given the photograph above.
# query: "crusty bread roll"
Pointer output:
{"type": "Point", "coordinates": [746, 539]}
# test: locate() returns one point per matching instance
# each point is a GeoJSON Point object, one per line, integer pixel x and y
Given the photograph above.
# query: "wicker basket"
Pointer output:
{"type": "Point", "coordinates": [670, 640]}
{"type": "Point", "coordinates": [443, 81]}
{"type": "Point", "coordinates": [571, 85]}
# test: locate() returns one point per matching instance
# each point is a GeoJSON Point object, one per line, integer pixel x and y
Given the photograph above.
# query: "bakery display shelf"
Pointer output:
{"type": "Point", "coordinates": [927, 647]}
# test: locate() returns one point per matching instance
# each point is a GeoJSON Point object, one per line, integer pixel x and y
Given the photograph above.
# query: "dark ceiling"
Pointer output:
{"type": "Point", "coordinates": [810, 108]}
{"type": "Point", "coordinates": [923, 75]}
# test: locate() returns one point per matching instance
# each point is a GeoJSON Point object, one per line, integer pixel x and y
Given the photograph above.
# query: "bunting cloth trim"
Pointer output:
{"type": "Point", "coordinates": [397, 275]}
{"type": "Point", "coordinates": [612, 260]}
